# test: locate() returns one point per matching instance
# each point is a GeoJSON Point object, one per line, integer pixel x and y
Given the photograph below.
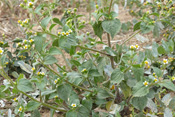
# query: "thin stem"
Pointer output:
{"type": "Point", "coordinates": [65, 60]}
{"type": "Point", "coordinates": [60, 67]}
{"type": "Point", "coordinates": [93, 50]}
{"type": "Point", "coordinates": [109, 40]}
{"type": "Point", "coordinates": [131, 37]}
{"type": "Point", "coordinates": [66, 80]}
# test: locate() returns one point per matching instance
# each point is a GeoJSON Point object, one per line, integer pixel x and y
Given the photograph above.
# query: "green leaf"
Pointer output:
{"type": "Point", "coordinates": [140, 90]}
{"type": "Point", "coordinates": [145, 28]}
{"type": "Point", "coordinates": [154, 49]}
{"type": "Point", "coordinates": [125, 89]}
{"type": "Point", "coordinates": [87, 104]}
{"type": "Point", "coordinates": [35, 113]}
{"type": "Point", "coordinates": [48, 60]}
{"type": "Point", "coordinates": [168, 113]}
{"type": "Point", "coordinates": [161, 50]}
{"type": "Point", "coordinates": [32, 105]}
{"type": "Point", "coordinates": [54, 51]}
{"type": "Point", "coordinates": [74, 77]}
{"type": "Point", "coordinates": [117, 76]}
{"type": "Point", "coordinates": [64, 91]}
{"type": "Point", "coordinates": [47, 92]}
{"type": "Point", "coordinates": [45, 21]}
{"type": "Point", "coordinates": [157, 71]}
{"type": "Point", "coordinates": [72, 113]}
{"type": "Point", "coordinates": [56, 20]}
{"type": "Point", "coordinates": [168, 84]}
{"type": "Point", "coordinates": [139, 102]}
{"type": "Point", "coordinates": [98, 29]}
{"type": "Point", "coordinates": [138, 73]}
{"type": "Point", "coordinates": [24, 85]}
{"type": "Point", "coordinates": [39, 41]}
{"type": "Point", "coordinates": [111, 26]}
{"type": "Point", "coordinates": [52, 26]}
{"type": "Point", "coordinates": [137, 26]}
{"type": "Point", "coordinates": [172, 104]}
{"type": "Point", "coordinates": [102, 94]}
{"type": "Point", "coordinates": [110, 51]}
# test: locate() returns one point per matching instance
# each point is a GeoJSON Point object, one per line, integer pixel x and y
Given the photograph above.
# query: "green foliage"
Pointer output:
{"type": "Point", "coordinates": [93, 82]}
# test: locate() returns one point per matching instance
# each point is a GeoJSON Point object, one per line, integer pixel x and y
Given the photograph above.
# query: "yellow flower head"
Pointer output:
{"type": "Point", "coordinates": [33, 69]}
{"type": "Point", "coordinates": [70, 31]}
{"type": "Point", "coordinates": [18, 44]}
{"type": "Point", "coordinates": [56, 96]}
{"type": "Point", "coordinates": [146, 62]}
{"type": "Point", "coordinates": [1, 50]}
{"type": "Point", "coordinates": [155, 76]}
{"type": "Point", "coordinates": [15, 99]}
{"type": "Point", "coordinates": [6, 63]}
{"type": "Point", "coordinates": [63, 33]}
{"type": "Point", "coordinates": [1, 42]}
{"type": "Point", "coordinates": [145, 83]}
{"type": "Point", "coordinates": [55, 81]}
{"type": "Point", "coordinates": [84, 70]}
{"type": "Point", "coordinates": [30, 4]}
{"type": "Point", "coordinates": [25, 47]}
{"type": "Point", "coordinates": [31, 40]}
{"type": "Point", "coordinates": [155, 80]}
{"type": "Point", "coordinates": [132, 47]}
{"type": "Point", "coordinates": [64, 73]}
{"type": "Point", "coordinates": [165, 61]}
{"type": "Point", "coordinates": [38, 73]}
{"type": "Point", "coordinates": [67, 33]}
{"type": "Point", "coordinates": [42, 73]}
{"type": "Point", "coordinates": [170, 59]}
{"type": "Point", "coordinates": [74, 105]}
{"type": "Point", "coordinates": [59, 33]}
{"type": "Point", "coordinates": [137, 46]}
{"type": "Point", "coordinates": [19, 21]}
{"type": "Point", "coordinates": [25, 41]}
{"type": "Point", "coordinates": [173, 78]}
{"type": "Point", "coordinates": [20, 109]}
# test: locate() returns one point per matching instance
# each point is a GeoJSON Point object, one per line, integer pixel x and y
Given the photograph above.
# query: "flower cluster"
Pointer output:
{"type": "Point", "coordinates": [134, 47]}
{"type": "Point", "coordinates": [25, 44]}
{"type": "Point", "coordinates": [1, 42]}
{"type": "Point", "coordinates": [65, 33]}
{"type": "Point", "coordinates": [55, 81]}
{"type": "Point", "coordinates": [40, 73]}
{"type": "Point", "coordinates": [147, 66]}
{"type": "Point", "coordinates": [23, 23]}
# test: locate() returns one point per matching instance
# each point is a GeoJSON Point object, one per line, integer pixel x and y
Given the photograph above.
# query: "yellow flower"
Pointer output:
{"type": "Point", "coordinates": [70, 31]}
{"type": "Point", "coordinates": [73, 105]}
{"type": "Point", "coordinates": [132, 47]}
{"type": "Point", "coordinates": [173, 78]}
{"type": "Point", "coordinates": [146, 62]}
{"type": "Point", "coordinates": [165, 61]}
{"type": "Point", "coordinates": [155, 80]}
{"type": "Point", "coordinates": [30, 4]}
{"type": "Point", "coordinates": [6, 63]}
{"type": "Point", "coordinates": [172, 68]}
{"type": "Point", "coordinates": [18, 44]}
{"type": "Point", "coordinates": [155, 76]}
{"type": "Point", "coordinates": [26, 21]}
{"type": "Point", "coordinates": [25, 41]}
{"type": "Point", "coordinates": [137, 46]}
{"type": "Point", "coordinates": [55, 81]}
{"type": "Point", "coordinates": [1, 42]}
{"type": "Point", "coordinates": [56, 96]}
{"type": "Point", "coordinates": [15, 99]}
{"type": "Point", "coordinates": [59, 33]}
{"type": "Point", "coordinates": [38, 73]}
{"type": "Point", "coordinates": [63, 33]}
{"type": "Point", "coordinates": [33, 69]}
{"type": "Point", "coordinates": [20, 109]}
{"type": "Point", "coordinates": [1, 50]}
{"type": "Point", "coordinates": [67, 33]}
{"type": "Point", "coordinates": [84, 70]}
{"type": "Point", "coordinates": [132, 11]}
{"type": "Point", "coordinates": [145, 83]}
{"type": "Point", "coordinates": [31, 40]}
{"type": "Point", "coordinates": [19, 21]}
{"type": "Point", "coordinates": [25, 47]}
{"type": "Point", "coordinates": [42, 73]}
{"type": "Point", "coordinates": [170, 59]}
